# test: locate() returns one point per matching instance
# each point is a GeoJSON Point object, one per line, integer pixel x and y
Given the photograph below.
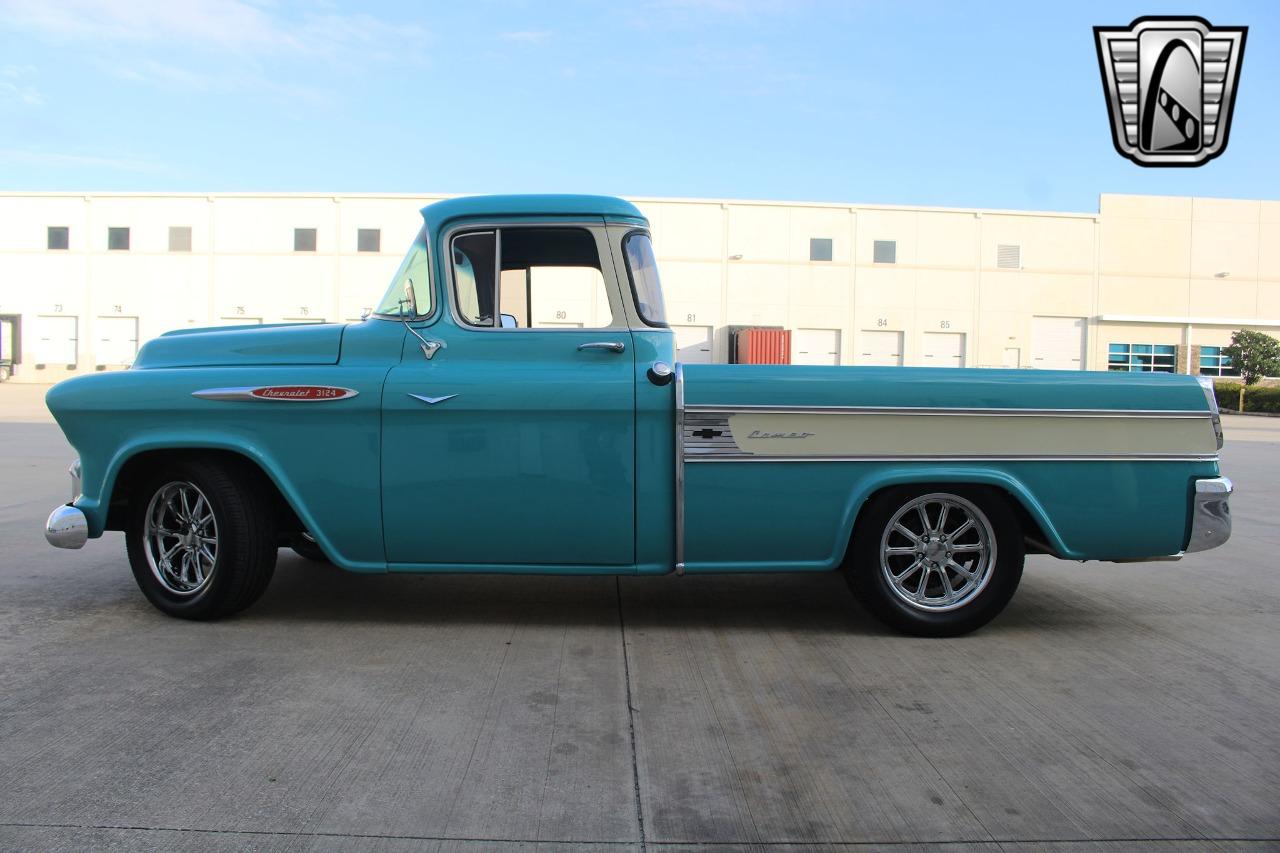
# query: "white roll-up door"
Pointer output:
{"type": "Point", "coordinates": [943, 349]}
{"type": "Point", "coordinates": [880, 347]}
{"type": "Point", "coordinates": [117, 342]}
{"type": "Point", "coordinates": [1057, 343]}
{"type": "Point", "coordinates": [55, 340]}
{"type": "Point", "coordinates": [693, 344]}
{"type": "Point", "coordinates": [815, 346]}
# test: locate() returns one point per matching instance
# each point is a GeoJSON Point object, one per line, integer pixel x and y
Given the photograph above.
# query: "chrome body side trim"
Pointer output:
{"type": "Point", "coordinates": [679, 438]}
{"type": "Point", "coordinates": [278, 393]}
{"type": "Point", "coordinates": [1210, 514]}
{"type": "Point", "coordinates": [1129, 457]}
{"type": "Point", "coordinates": [933, 410]}
{"type": "Point", "coordinates": [66, 528]}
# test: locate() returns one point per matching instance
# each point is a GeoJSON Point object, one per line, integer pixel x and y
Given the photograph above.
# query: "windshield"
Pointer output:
{"type": "Point", "coordinates": [643, 269]}
{"type": "Point", "coordinates": [410, 292]}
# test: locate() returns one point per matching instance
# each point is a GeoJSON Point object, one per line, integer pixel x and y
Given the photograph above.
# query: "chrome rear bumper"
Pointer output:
{"type": "Point", "coordinates": [66, 528]}
{"type": "Point", "coordinates": [1211, 514]}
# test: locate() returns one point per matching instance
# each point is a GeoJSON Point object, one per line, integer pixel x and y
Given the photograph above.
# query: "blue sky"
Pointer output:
{"type": "Point", "coordinates": [960, 104]}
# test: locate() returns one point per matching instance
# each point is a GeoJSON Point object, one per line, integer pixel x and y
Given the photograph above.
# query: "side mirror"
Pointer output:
{"type": "Point", "coordinates": [509, 321]}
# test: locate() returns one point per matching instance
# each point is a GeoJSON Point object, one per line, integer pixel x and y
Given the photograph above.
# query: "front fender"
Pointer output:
{"type": "Point", "coordinates": [95, 504]}
{"type": "Point", "coordinates": [324, 457]}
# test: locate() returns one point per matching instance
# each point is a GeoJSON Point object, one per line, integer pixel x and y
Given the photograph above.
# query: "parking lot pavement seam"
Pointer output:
{"type": "Point", "coordinates": [631, 714]}
{"type": "Point", "coordinates": [565, 843]}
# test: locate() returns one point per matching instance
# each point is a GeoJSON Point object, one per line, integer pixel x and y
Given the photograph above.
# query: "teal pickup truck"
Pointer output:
{"type": "Point", "coordinates": [513, 405]}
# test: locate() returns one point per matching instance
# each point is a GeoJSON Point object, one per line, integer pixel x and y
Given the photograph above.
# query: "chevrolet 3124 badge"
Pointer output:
{"type": "Point", "coordinates": [514, 405]}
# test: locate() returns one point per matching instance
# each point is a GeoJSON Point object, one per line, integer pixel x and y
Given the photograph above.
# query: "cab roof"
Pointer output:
{"type": "Point", "coordinates": [605, 206]}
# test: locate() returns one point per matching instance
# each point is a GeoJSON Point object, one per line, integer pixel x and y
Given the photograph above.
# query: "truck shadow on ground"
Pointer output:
{"type": "Point", "coordinates": [802, 602]}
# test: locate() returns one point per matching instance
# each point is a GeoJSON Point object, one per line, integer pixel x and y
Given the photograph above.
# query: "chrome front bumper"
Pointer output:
{"type": "Point", "coordinates": [1211, 514]}
{"type": "Point", "coordinates": [66, 528]}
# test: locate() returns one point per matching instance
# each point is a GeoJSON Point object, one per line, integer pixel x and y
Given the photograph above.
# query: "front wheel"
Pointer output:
{"type": "Point", "coordinates": [936, 562]}
{"type": "Point", "coordinates": [201, 539]}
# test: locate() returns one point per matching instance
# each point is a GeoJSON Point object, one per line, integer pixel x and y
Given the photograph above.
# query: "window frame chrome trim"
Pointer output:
{"type": "Point", "coordinates": [592, 227]}
{"type": "Point", "coordinates": [432, 315]}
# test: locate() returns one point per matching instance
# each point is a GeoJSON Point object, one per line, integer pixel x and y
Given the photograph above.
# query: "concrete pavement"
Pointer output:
{"type": "Point", "coordinates": [1111, 707]}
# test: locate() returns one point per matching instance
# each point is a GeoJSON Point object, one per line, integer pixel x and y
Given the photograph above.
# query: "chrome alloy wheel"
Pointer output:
{"type": "Point", "coordinates": [937, 552]}
{"type": "Point", "coordinates": [180, 538]}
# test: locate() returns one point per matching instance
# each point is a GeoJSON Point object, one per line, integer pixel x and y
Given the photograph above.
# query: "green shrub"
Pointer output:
{"type": "Point", "coordinates": [1256, 399]}
{"type": "Point", "coordinates": [1228, 394]}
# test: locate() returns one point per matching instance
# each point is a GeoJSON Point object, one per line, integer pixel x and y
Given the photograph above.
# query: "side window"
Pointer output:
{"type": "Point", "coordinates": [540, 278]}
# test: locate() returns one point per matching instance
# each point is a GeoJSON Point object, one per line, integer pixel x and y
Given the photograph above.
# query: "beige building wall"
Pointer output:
{"type": "Point", "coordinates": [974, 287]}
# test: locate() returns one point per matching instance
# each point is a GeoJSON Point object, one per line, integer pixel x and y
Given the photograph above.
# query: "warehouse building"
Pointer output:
{"type": "Point", "coordinates": [1147, 283]}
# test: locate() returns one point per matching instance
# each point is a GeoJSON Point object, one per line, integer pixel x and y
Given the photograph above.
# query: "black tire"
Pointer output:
{"type": "Point", "coordinates": [993, 578]}
{"type": "Point", "coordinates": [243, 527]}
{"type": "Point", "coordinates": [307, 548]}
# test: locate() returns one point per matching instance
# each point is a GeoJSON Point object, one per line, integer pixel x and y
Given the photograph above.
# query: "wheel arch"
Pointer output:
{"type": "Point", "coordinates": [142, 464]}
{"type": "Point", "coordinates": [1038, 529]}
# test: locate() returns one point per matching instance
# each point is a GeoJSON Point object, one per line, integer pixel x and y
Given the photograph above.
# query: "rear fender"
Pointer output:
{"type": "Point", "coordinates": [968, 475]}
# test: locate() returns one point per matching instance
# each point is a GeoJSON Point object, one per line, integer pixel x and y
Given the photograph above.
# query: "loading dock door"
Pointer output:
{"type": "Point", "coordinates": [117, 340]}
{"type": "Point", "coordinates": [943, 349]}
{"type": "Point", "coordinates": [55, 340]}
{"type": "Point", "coordinates": [1057, 343]}
{"type": "Point", "coordinates": [881, 348]}
{"type": "Point", "coordinates": [815, 346]}
{"type": "Point", "coordinates": [693, 344]}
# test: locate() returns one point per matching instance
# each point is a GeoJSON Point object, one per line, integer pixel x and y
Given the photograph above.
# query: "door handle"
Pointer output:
{"type": "Point", "coordinates": [611, 346]}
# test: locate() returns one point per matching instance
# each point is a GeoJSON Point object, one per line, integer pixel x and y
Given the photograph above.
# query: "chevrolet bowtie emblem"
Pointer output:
{"type": "Point", "coordinates": [1170, 84]}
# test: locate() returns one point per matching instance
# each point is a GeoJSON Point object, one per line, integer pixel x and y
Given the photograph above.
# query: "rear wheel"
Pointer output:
{"type": "Point", "coordinates": [201, 539]}
{"type": "Point", "coordinates": [936, 562]}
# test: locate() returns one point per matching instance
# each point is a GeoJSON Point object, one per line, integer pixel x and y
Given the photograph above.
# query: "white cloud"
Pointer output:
{"type": "Point", "coordinates": [13, 85]}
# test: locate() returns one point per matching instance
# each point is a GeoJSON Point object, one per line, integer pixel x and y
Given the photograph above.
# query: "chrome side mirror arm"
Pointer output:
{"type": "Point", "coordinates": [429, 348]}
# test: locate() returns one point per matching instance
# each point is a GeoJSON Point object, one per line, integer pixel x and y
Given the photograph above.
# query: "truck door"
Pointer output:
{"type": "Point", "coordinates": [514, 444]}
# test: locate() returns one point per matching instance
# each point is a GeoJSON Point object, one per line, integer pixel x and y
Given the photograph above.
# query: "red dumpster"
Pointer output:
{"type": "Point", "coordinates": [764, 346]}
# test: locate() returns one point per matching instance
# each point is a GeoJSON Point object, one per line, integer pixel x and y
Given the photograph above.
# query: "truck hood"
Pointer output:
{"type": "Point", "coordinates": [291, 343]}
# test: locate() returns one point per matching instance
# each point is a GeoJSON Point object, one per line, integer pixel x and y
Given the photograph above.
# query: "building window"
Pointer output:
{"type": "Point", "coordinates": [885, 251]}
{"type": "Point", "coordinates": [59, 237]}
{"type": "Point", "coordinates": [1141, 358]}
{"type": "Point", "coordinates": [819, 248]}
{"type": "Point", "coordinates": [118, 239]}
{"type": "Point", "coordinates": [368, 240]}
{"type": "Point", "coordinates": [304, 239]}
{"type": "Point", "coordinates": [1008, 257]}
{"type": "Point", "coordinates": [180, 238]}
{"type": "Point", "coordinates": [1214, 362]}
